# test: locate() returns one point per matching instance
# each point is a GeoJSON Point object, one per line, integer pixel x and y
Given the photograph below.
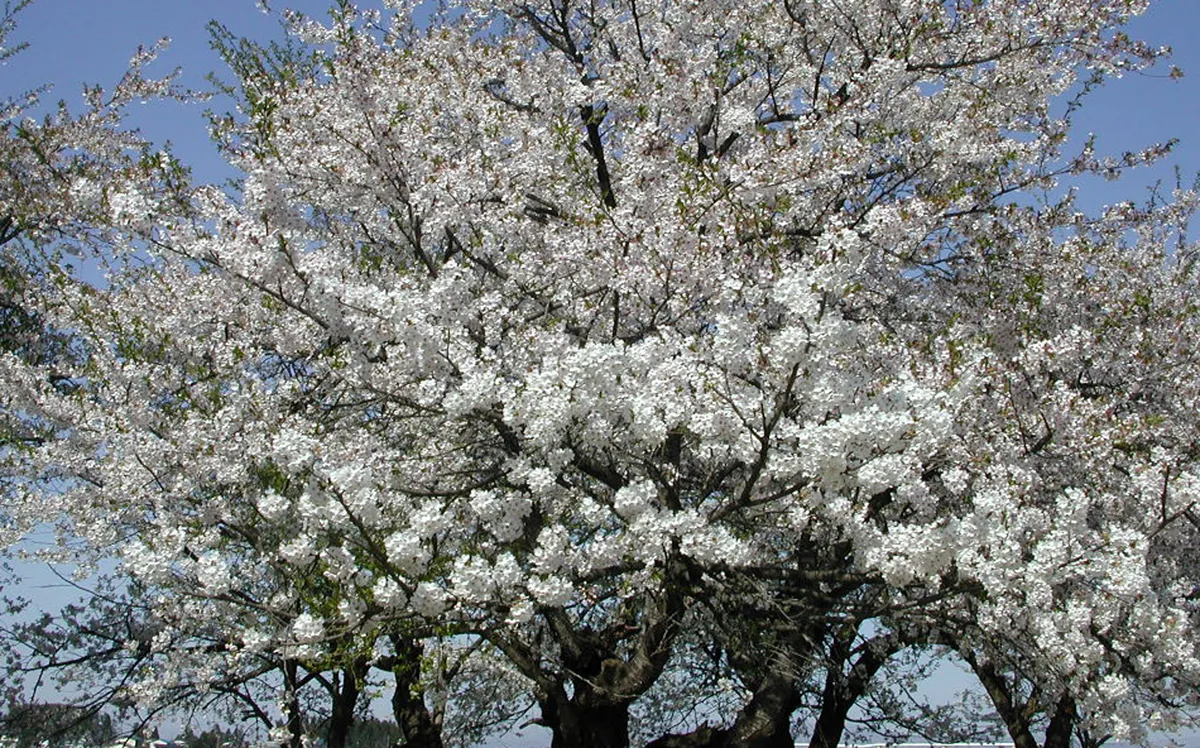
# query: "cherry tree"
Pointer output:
{"type": "Point", "coordinates": [76, 184]}
{"type": "Point", "coordinates": [607, 345]}
{"type": "Point", "coordinates": [66, 180]}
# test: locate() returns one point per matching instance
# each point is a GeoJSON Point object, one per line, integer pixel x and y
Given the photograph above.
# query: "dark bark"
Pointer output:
{"type": "Point", "coordinates": [9, 230]}
{"type": "Point", "coordinates": [607, 668]}
{"type": "Point", "coordinates": [1018, 719]}
{"type": "Point", "coordinates": [831, 722]}
{"type": "Point", "coordinates": [595, 146]}
{"type": "Point", "coordinates": [596, 714]}
{"type": "Point", "coordinates": [998, 691]}
{"type": "Point", "coordinates": [593, 721]}
{"type": "Point", "coordinates": [1062, 724]}
{"type": "Point", "coordinates": [843, 690]}
{"type": "Point", "coordinates": [295, 719]}
{"type": "Point", "coordinates": [702, 737]}
{"type": "Point", "coordinates": [765, 722]}
{"type": "Point", "coordinates": [416, 723]}
{"type": "Point", "coordinates": [345, 697]}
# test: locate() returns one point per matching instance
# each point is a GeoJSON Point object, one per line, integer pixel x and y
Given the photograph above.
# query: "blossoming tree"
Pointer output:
{"type": "Point", "coordinates": [632, 355]}
{"type": "Point", "coordinates": [56, 173]}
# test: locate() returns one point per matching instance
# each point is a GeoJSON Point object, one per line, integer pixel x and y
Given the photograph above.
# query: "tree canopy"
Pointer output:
{"type": "Point", "coordinates": [687, 373]}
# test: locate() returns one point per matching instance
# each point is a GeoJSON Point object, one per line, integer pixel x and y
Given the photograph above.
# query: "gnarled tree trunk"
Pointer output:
{"type": "Point", "coordinates": [412, 715]}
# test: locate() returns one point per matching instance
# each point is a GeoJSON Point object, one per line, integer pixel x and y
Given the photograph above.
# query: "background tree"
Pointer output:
{"type": "Point", "coordinates": [71, 183]}
{"type": "Point", "coordinates": [61, 724]}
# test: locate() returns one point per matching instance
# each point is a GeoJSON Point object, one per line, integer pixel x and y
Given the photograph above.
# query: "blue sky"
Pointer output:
{"type": "Point", "coordinates": [72, 42]}
{"type": "Point", "coordinates": [89, 41]}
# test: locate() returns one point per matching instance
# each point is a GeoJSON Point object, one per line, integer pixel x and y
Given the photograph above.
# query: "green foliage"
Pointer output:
{"type": "Point", "coordinates": [365, 732]}
{"type": "Point", "coordinates": [216, 737]}
{"type": "Point", "coordinates": [370, 732]}
{"type": "Point", "coordinates": [252, 63]}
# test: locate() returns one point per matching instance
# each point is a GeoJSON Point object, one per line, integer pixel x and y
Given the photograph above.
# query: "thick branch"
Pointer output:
{"type": "Point", "coordinates": [592, 117]}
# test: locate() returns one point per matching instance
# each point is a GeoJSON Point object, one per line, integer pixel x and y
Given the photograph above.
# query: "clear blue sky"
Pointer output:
{"type": "Point", "coordinates": [78, 41]}
{"type": "Point", "coordinates": [73, 42]}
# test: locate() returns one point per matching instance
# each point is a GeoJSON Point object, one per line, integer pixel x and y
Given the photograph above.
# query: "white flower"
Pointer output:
{"type": "Point", "coordinates": [428, 600]}
{"type": "Point", "coordinates": [308, 629]}
{"type": "Point", "coordinates": [299, 551]}
{"type": "Point", "coordinates": [635, 499]}
{"type": "Point", "coordinates": [407, 552]}
{"type": "Point", "coordinates": [213, 573]}
{"type": "Point", "coordinates": [272, 506]}
{"type": "Point", "coordinates": [551, 591]}
{"type": "Point", "coordinates": [294, 449]}
{"type": "Point", "coordinates": [388, 593]}
{"type": "Point", "coordinates": [340, 565]}
{"type": "Point", "coordinates": [254, 640]}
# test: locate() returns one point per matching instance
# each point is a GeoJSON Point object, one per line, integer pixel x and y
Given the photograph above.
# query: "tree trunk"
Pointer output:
{"type": "Point", "coordinates": [831, 722]}
{"type": "Point", "coordinates": [345, 697]}
{"type": "Point", "coordinates": [295, 721]}
{"type": "Point", "coordinates": [702, 737]}
{"type": "Point", "coordinates": [843, 690]}
{"type": "Point", "coordinates": [408, 699]}
{"type": "Point", "coordinates": [998, 690]}
{"type": "Point", "coordinates": [766, 722]}
{"type": "Point", "coordinates": [605, 727]}
{"type": "Point", "coordinates": [1058, 732]}
{"type": "Point", "coordinates": [605, 680]}
{"type": "Point", "coordinates": [576, 723]}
